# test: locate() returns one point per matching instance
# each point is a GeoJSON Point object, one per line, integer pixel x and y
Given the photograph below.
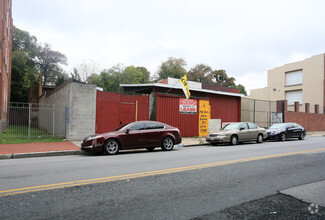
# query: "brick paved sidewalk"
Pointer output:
{"type": "Point", "coordinates": [37, 147]}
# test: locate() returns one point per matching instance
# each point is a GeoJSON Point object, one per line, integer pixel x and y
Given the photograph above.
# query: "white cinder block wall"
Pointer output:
{"type": "Point", "coordinates": [82, 110]}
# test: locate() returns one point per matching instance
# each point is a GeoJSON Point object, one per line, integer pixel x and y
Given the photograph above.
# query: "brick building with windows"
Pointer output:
{"type": "Point", "coordinates": [6, 26]}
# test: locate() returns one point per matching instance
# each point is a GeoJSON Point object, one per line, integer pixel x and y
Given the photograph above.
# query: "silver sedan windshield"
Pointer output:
{"type": "Point", "coordinates": [231, 126]}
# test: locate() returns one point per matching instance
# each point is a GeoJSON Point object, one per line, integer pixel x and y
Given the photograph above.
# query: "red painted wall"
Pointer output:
{"type": "Point", "coordinates": [226, 108]}
{"type": "Point", "coordinates": [114, 109]}
{"type": "Point", "coordinates": [168, 112]}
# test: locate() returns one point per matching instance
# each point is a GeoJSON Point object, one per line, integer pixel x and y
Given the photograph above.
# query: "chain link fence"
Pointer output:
{"type": "Point", "coordinates": [32, 121]}
{"type": "Point", "coordinates": [258, 111]}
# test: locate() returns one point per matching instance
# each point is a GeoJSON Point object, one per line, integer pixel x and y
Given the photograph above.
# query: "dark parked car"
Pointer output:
{"type": "Point", "coordinates": [237, 132]}
{"type": "Point", "coordinates": [140, 134]}
{"type": "Point", "coordinates": [283, 131]}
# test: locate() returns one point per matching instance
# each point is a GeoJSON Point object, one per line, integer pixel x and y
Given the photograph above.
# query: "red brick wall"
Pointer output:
{"type": "Point", "coordinates": [324, 87]}
{"type": "Point", "coordinates": [5, 53]}
{"type": "Point", "coordinates": [310, 121]}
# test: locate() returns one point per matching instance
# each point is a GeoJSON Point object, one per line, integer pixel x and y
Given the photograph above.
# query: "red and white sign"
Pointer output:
{"type": "Point", "coordinates": [187, 106]}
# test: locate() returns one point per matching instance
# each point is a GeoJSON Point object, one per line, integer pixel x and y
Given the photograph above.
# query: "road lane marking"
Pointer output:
{"type": "Point", "coordinates": [148, 173]}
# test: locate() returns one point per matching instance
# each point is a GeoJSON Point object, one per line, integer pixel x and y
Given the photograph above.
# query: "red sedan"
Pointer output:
{"type": "Point", "coordinates": [140, 134]}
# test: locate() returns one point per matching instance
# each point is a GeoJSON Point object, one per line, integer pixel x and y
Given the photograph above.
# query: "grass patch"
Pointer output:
{"type": "Point", "coordinates": [19, 134]}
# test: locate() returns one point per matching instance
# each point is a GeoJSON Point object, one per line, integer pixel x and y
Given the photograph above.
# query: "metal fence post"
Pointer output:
{"type": "Point", "coordinates": [53, 110]}
{"type": "Point", "coordinates": [29, 119]}
{"type": "Point", "coordinates": [269, 115]}
{"type": "Point", "coordinates": [254, 111]}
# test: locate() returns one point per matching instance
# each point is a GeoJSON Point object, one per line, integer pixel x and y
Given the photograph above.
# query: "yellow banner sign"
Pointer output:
{"type": "Point", "coordinates": [186, 91]}
{"type": "Point", "coordinates": [204, 116]}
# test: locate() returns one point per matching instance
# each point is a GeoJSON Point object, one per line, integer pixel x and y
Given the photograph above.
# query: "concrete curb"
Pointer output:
{"type": "Point", "coordinates": [194, 145]}
{"type": "Point", "coordinates": [41, 154]}
{"type": "Point", "coordinates": [315, 134]}
{"type": "Point", "coordinates": [310, 193]}
{"type": "Point", "coordinates": [5, 156]}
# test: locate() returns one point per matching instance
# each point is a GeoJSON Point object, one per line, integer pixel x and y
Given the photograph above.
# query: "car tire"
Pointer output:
{"type": "Point", "coordinates": [150, 148]}
{"type": "Point", "coordinates": [259, 138]}
{"type": "Point", "coordinates": [283, 137]}
{"type": "Point", "coordinates": [214, 143]}
{"type": "Point", "coordinates": [167, 144]}
{"type": "Point", "coordinates": [302, 136]}
{"type": "Point", "coordinates": [234, 140]}
{"type": "Point", "coordinates": [111, 147]}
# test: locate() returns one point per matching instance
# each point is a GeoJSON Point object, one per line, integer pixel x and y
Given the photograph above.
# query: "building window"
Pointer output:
{"type": "Point", "coordinates": [294, 78]}
{"type": "Point", "coordinates": [294, 96]}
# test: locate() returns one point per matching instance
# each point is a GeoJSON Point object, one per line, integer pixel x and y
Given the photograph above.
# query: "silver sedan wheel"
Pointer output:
{"type": "Point", "coordinates": [168, 143]}
{"type": "Point", "coordinates": [259, 138]}
{"type": "Point", "coordinates": [111, 147]}
{"type": "Point", "coordinates": [233, 140]}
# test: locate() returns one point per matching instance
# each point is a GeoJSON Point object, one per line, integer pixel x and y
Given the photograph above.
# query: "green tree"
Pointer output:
{"type": "Point", "coordinates": [241, 88]}
{"type": "Point", "coordinates": [222, 78]}
{"type": "Point", "coordinates": [94, 79]}
{"type": "Point", "coordinates": [135, 75]}
{"type": "Point", "coordinates": [108, 79]}
{"type": "Point", "coordinates": [23, 41]}
{"type": "Point", "coordinates": [173, 67]}
{"type": "Point", "coordinates": [49, 63]}
{"type": "Point", "coordinates": [61, 78]}
{"type": "Point", "coordinates": [145, 74]}
{"type": "Point", "coordinates": [200, 73]}
{"type": "Point", "coordinates": [86, 69]}
{"type": "Point", "coordinates": [75, 75]}
{"type": "Point", "coordinates": [23, 66]}
{"type": "Point", "coordinates": [19, 77]}
{"type": "Point", "coordinates": [111, 80]}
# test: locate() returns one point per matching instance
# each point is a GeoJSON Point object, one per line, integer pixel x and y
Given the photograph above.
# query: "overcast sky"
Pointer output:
{"type": "Point", "coordinates": [244, 37]}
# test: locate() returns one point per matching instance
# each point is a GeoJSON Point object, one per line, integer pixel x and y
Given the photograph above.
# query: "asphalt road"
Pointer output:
{"type": "Point", "coordinates": [185, 183]}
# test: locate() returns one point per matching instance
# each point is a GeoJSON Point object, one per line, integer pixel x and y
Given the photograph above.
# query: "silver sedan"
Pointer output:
{"type": "Point", "coordinates": [237, 132]}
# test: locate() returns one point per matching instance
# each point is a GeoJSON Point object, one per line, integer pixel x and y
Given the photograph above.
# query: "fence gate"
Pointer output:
{"type": "Point", "coordinates": [115, 109]}
{"type": "Point", "coordinates": [258, 111]}
{"type": "Point", "coordinates": [32, 121]}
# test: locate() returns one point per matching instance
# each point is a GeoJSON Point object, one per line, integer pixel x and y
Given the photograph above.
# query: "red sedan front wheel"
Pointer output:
{"type": "Point", "coordinates": [167, 144]}
{"type": "Point", "coordinates": [111, 147]}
